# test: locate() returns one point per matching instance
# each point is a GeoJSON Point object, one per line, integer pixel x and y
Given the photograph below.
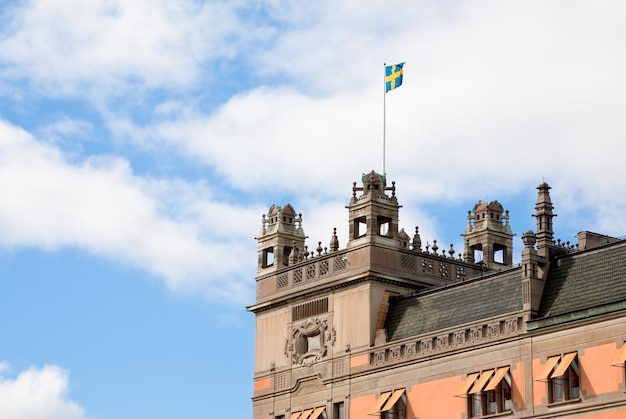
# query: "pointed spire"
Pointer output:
{"type": "Point", "coordinates": [334, 241]}
{"type": "Point", "coordinates": [417, 241]}
{"type": "Point", "coordinates": [544, 216]}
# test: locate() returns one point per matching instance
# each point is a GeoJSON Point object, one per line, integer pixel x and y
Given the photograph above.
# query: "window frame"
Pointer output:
{"type": "Point", "coordinates": [360, 227]}
{"type": "Point", "coordinates": [562, 376]}
{"type": "Point", "coordinates": [566, 387]}
{"type": "Point", "coordinates": [397, 411]}
{"type": "Point", "coordinates": [391, 405]}
{"type": "Point", "coordinates": [494, 401]}
{"type": "Point", "coordinates": [339, 410]}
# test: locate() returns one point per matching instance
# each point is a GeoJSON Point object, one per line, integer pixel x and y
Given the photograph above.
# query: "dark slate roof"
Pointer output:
{"type": "Point", "coordinates": [584, 280]}
{"type": "Point", "coordinates": [454, 305]}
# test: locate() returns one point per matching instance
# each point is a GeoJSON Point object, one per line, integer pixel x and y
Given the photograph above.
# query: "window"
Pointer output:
{"type": "Point", "coordinates": [339, 411]}
{"type": "Point", "coordinates": [383, 225]}
{"type": "Point", "coordinates": [499, 253]}
{"type": "Point", "coordinates": [488, 392]}
{"type": "Point", "coordinates": [390, 405]}
{"type": "Point", "coordinates": [316, 413]}
{"type": "Point", "coordinates": [360, 227]}
{"type": "Point", "coordinates": [268, 257]}
{"type": "Point", "coordinates": [477, 252]}
{"type": "Point", "coordinates": [279, 417]}
{"type": "Point", "coordinates": [562, 374]}
{"type": "Point", "coordinates": [397, 411]}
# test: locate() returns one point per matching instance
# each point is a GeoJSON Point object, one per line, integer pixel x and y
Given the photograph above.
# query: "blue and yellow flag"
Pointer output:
{"type": "Point", "coordinates": [393, 76]}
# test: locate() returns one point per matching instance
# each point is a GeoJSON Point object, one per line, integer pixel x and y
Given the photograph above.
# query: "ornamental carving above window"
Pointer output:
{"type": "Point", "coordinates": [310, 341]}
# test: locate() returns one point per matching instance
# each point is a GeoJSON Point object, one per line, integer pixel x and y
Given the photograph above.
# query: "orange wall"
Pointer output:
{"type": "Point", "coordinates": [261, 384]}
{"type": "Point", "coordinates": [436, 399]}
{"type": "Point", "coordinates": [597, 374]}
{"type": "Point", "coordinates": [540, 388]}
{"type": "Point", "coordinates": [518, 386]}
{"type": "Point", "coordinates": [360, 406]}
{"type": "Point", "coordinates": [359, 360]}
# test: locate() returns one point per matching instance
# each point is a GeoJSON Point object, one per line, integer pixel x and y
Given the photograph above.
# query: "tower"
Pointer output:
{"type": "Point", "coordinates": [373, 216]}
{"type": "Point", "coordinates": [320, 314]}
{"type": "Point", "coordinates": [544, 216]}
{"type": "Point", "coordinates": [281, 238]}
{"type": "Point", "coordinates": [488, 236]}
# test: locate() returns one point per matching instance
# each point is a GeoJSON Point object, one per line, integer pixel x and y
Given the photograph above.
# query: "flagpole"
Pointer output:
{"type": "Point", "coordinates": [384, 117]}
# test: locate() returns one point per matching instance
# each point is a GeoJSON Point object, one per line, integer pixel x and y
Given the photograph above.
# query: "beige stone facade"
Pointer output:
{"type": "Point", "coordinates": [389, 328]}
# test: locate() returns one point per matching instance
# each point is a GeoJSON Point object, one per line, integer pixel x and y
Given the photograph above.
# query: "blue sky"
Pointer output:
{"type": "Point", "coordinates": [140, 142]}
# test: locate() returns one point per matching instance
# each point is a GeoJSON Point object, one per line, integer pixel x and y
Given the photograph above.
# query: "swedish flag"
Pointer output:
{"type": "Point", "coordinates": [393, 76]}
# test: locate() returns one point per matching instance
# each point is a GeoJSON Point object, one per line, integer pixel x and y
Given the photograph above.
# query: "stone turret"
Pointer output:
{"type": "Point", "coordinates": [281, 239]}
{"type": "Point", "coordinates": [373, 215]}
{"type": "Point", "coordinates": [488, 236]}
{"type": "Point", "coordinates": [544, 216]}
{"type": "Point", "coordinates": [536, 261]}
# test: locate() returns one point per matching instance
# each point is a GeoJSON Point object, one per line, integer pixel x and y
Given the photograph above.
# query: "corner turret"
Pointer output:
{"type": "Point", "coordinates": [281, 239]}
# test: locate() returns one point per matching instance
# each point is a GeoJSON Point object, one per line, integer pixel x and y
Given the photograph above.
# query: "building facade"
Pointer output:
{"type": "Point", "coordinates": [389, 328]}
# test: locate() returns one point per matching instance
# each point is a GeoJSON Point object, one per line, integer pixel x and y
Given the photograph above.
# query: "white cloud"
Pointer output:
{"type": "Point", "coordinates": [496, 98]}
{"type": "Point", "coordinates": [288, 137]}
{"type": "Point", "coordinates": [175, 230]}
{"type": "Point", "coordinates": [37, 394]}
{"type": "Point", "coordinates": [109, 45]}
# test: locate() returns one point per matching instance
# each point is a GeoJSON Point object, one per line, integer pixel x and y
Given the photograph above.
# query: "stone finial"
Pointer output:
{"type": "Point", "coordinates": [264, 222]}
{"type": "Point", "coordinates": [298, 221]}
{"type": "Point", "coordinates": [529, 239]}
{"type": "Point", "coordinates": [354, 190]}
{"type": "Point", "coordinates": [293, 254]}
{"type": "Point", "coordinates": [417, 241]}
{"type": "Point", "coordinates": [435, 247]}
{"type": "Point", "coordinates": [451, 251]}
{"type": "Point", "coordinates": [334, 241]}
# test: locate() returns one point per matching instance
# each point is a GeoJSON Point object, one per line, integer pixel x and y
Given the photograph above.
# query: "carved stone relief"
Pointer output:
{"type": "Point", "coordinates": [310, 341]}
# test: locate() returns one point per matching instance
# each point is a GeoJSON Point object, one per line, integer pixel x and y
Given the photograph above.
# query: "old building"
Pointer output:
{"type": "Point", "coordinates": [387, 327]}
